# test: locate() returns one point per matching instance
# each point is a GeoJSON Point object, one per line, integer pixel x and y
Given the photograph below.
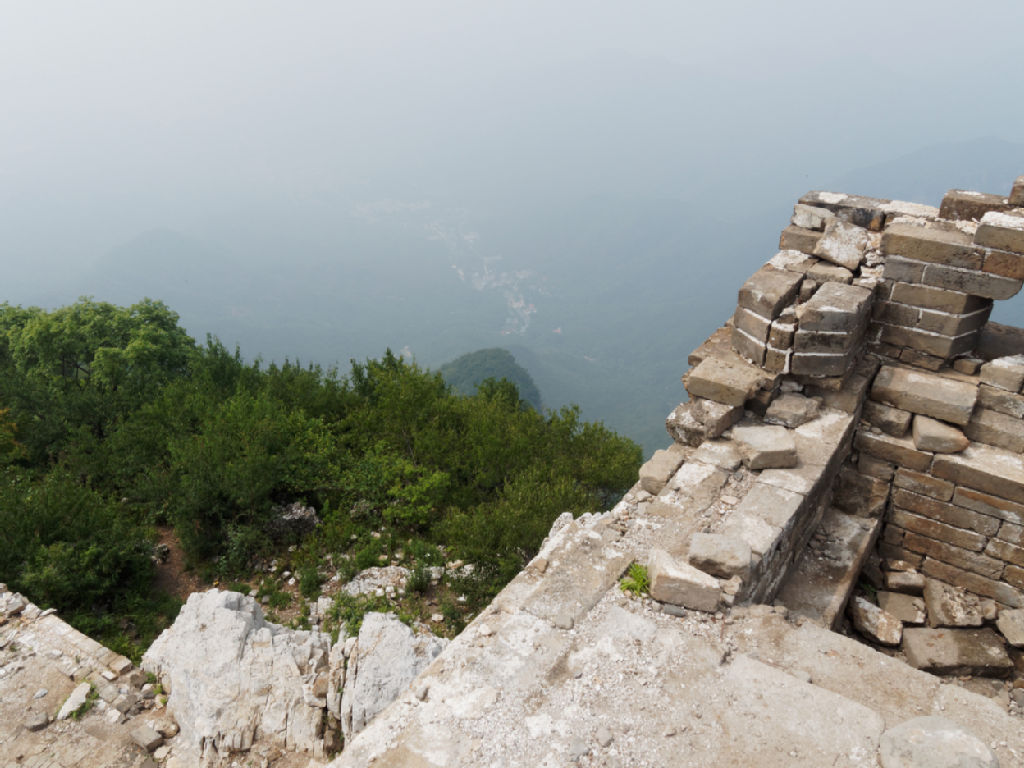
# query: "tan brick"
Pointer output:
{"type": "Point", "coordinates": [998, 429]}
{"type": "Point", "coordinates": [892, 421]}
{"type": "Point", "coordinates": [898, 450]}
{"type": "Point", "coordinates": [974, 562]}
{"type": "Point", "coordinates": [768, 291]}
{"type": "Point", "coordinates": [799, 239]}
{"type": "Point", "coordinates": [883, 470]}
{"type": "Point", "coordinates": [1012, 533]}
{"type": "Point", "coordinates": [989, 505]}
{"type": "Point", "coordinates": [984, 468]}
{"type": "Point", "coordinates": [929, 297]}
{"type": "Point", "coordinates": [1000, 400]}
{"type": "Point", "coordinates": [940, 397]}
{"type": "Point", "coordinates": [961, 204]}
{"type": "Point", "coordinates": [958, 537]}
{"type": "Point", "coordinates": [932, 243]}
{"type": "Point", "coordinates": [970, 281]}
{"type": "Point", "coordinates": [1004, 263]}
{"type": "Point", "coordinates": [918, 482]}
{"type": "Point", "coordinates": [1003, 230]}
{"type": "Point", "coordinates": [937, 344]}
{"type": "Point", "coordinates": [945, 513]}
{"type": "Point", "coordinates": [1005, 551]}
{"type": "Point", "coordinates": [1014, 576]}
{"type": "Point", "coordinates": [1002, 593]}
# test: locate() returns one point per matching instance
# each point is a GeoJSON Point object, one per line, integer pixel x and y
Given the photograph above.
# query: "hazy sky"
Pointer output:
{"type": "Point", "coordinates": [119, 117]}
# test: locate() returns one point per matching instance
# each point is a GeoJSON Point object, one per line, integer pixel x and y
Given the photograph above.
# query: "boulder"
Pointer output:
{"type": "Point", "coordinates": [386, 658]}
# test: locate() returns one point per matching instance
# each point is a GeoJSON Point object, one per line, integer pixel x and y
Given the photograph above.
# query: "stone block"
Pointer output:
{"type": "Point", "coordinates": [655, 473]}
{"type": "Point", "coordinates": [1005, 551]}
{"type": "Point", "coordinates": [901, 208]}
{"type": "Point", "coordinates": [922, 484]}
{"type": "Point", "coordinates": [926, 393]}
{"type": "Point", "coordinates": [903, 270]}
{"type": "Point", "coordinates": [987, 504]}
{"type": "Point", "coordinates": [824, 272]}
{"type": "Point", "coordinates": [933, 242]}
{"type": "Point", "coordinates": [1012, 533]}
{"type": "Point", "coordinates": [146, 737]}
{"type": "Point", "coordinates": [951, 606]}
{"type": "Point", "coordinates": [1002, 592]}
{"type": "Point", "coordinates": [945, 512]}
{"type": "Point", "coordinates": [977, 652]}
{"type": "Point", "coordinates": [791, 410]}
{"type": "Point", "coordinates": [719, 453]}
{"type": "Point", "coordinates": [875, 623]}
{"type": "Point", "coordinates": [895, 313]}
{"type": "Point", "coordinates": [768, 291]}
{"type": "Point", "coordinates": [1001, 400]}
{"type": "Point", "coordinates": [872, 467]}
{"type": "Point", "coordinates": [720, 555]}
{"type": "Point", "coordinates": [793, 261]}
{"type": "Point", "coordinates": [953, 324]}
{"type": "Point", "coordinates": [751, 323]}
{"type": "Point", "coordinates": [962, 204]}
{"type": "Point", "coordinates": [933, 742]}
{"type": "Point", "coordinates": [683, 427]}
{"type": "Point", "coordinates": [867, 212]}
{"type": "Point", "coordinates": [907, 608]}
{"type": "Point", "coordinates": [765, 446]}
{"type": "Point", "coordinates": [898, 450]}
{"type": "Point", "coordinates": [777, 360]}
{"type": "Point", "coordinates": [1004, 263]}
{"type": "Point", "coordinates": [981, 564]}
{"type": "Point", "coordinates": [1004, 372]}
{"type": "Point", "coordinates": [1011, 626]}
{"type": "Point", "coordinates": [999, 340]}
{"type": "Point", "coordinates": [758, 535]}
{"type": "Point", "coordinates": [811, 217]}
{"type": "Point", "coordinates": [984, 284]}
{"type": "Point", "coordinates": [958, 537]}
{"type": "Point", "coordinates": [795, 238]}
{"type": "Point", "coordinates": [984, 468]}
{"type": "Point", "coordinates": [905, 582]}
{"type": "Point", "coordinates": [716, 417]}
{"type": "Point", "coordinates": [935, 436]}
{"type": "Point", "coordinates": [681, 584]}
{"type": "Point", "coordinates": [967, 365]}
{"type": "Point", "coordinates": [892, 421]}
{"type": "Point", "coordinates": [1017, 192]}
{"type": "Point", "coordinates": [996, 429]}
{"type": "Point", "coordinates": [936, 344]}
{"type": "Point", "coordinates": [842, 243]}
{"type": "Point", "coordinates": [776, 506]}
{"type": "Point", "coordinates": [748, 347]}
{"type": "Point", "coordinates": [1003, 230]}
{"type": "Point", "coordinates": [74, 702]}
{"type": "Point", "coordinates": [696, 484]}
{"type": "Point", "coordinates": [835, 307]}
{"type": "Point", "coordinates": [820, 364]}
{"type": "Point", "coordinates": [859, 494]}
{"type": "Point", "coordinates": [830, 342]}
{"type": "Point", "coordinates": [929, 297]}
{"type": "Point", "coordinates": [781, 334]}
{"type": "Point", "coordinates": [723, 381]}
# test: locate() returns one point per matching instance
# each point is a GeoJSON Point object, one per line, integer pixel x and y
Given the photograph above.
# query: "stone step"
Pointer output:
{"type": "Point", "coordinates": [820, 584]}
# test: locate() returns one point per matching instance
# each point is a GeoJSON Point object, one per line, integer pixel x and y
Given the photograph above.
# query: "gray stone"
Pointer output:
{"type": "Point", "coordinates": [811, 217]}
{"type": "Point", "coordinates": [835, 307]}
{"type": "Point", "coordinates": [932, 435]}
{"type": "Point", "coordinates": [655, 473]}
{"type": "Point", "coordinates": [875, 623]}
{"type": "Point", "coordinates": [1000, 400]}
{"type": "Point", "coordinates": [933, 242]}
{"type": "Point", "coordinates": [984, 284]}
{"type": "Point", "coordinates": [776, 506]}
{"type": "Point", "coordinates": [906, 608]}
{"type": "Point", "coordinates": [681, 584]}
{"type": "Point", "coordinates": [683, 427]}
{"type": "Point", "coordinates": [929, 297]}
{"type": "Point", "coordinates": [720, 555]}
{"type": "Point", "coordinates": [996, 429]}
{"type": "Point", "coordinates": [933, 742]}
{"type": "Point", "coordinates": [1004, 372]}
{"type": "Point", "coordinates": [715, 417]}
{"type": "Point", "coordinates": [1002, 230]}
{"type": "Point", "coordinates": [956, 652]}
{"type": "Point", "coordinates": [823, 272]}
{"type": "Point", "coordinates": [843, 244]}
{"type": "Point", "coordinates": [950, 606]}
{"type": "Point", "coordinates": [907, 582]}
{"type": "Point", "coordinates": [898, 450]}
{"type": "Point", "coordinates": [892, 421]}
{"type": "Point", "coordinates": [719, 453]}
{"type": "Point", "coordinates": [1017, 192]}
{"type": "Point", "coordinates": [984, 468]}
{"type": "Point", "coordinates": [36, 721]}
{"type": "Point", "coordinates": [74, 702]}
{"type": "Point", "coordinates": [146, 737]}
{"type": "Point", "coordinates": [1011, 624]}
{"type": "Point", "coordinates": [867, 212]}
{"type": "Point", "coordinates": [798, 239]}
{"type": "Point", "coordinates": [769, 290]}
{"type": "Point", "coordinates": [964, 204]}
{"type": "Point", "coordinates": [765, 446]}
{"type": "Point", "coordinates": [925, 393]}
{"type": "Point", "coordinates": [723, 381]}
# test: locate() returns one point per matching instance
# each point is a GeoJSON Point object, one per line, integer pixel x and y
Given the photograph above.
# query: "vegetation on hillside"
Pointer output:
{"type": "Point", "coordinates": [465, 373]}
{"type": "Point", "coordinates": [114, 422]}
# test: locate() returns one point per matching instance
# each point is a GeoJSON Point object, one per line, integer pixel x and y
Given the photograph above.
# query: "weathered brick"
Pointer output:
{"type": "Point", "coordinates": [843, 243]}
{"type": "Point", "coordinates": [962, 204]}
{"type": "Point", "coordinates": [820, 364]}
{"type": "Point", "coordinates": [748, 347]}
{"type": "Point", "coordinates": [781, 334]}
{"type": "Point", "coordinates": [891, 552]}
{"type": "Point", "coordinates": [777, 360]}
{"type": "Point", "coordinates": [867, 212]}
{"type": "Point", "coordinates": [929, 297]}
{"type": "Point", "coordinates": [1003, 230]}
{"type": "Point", "coordinates": [723, 381]}
{"type": "Point", "coordinates": [980, 585]}
{"type": "Point", "coordinates": [937, 396]}
{"type": "Point", "coordinates": [970, 281]}
{"type": "Point", "coordinates": [926, 485]}
{"type": "Point", "coordinates": [935, 344]}
{"type": "Point", "coordinates": [1017, 192]}
{"type": "Point", "coordinates": [1004, 372]}
{"type": "Point", "coordinates": [998, 429]}
{"type": "Point", "coordinates": [932, 243]}
{"type": "Point", "coordinates": [975, 562]}
{"type": "Point", "coordinates": [949, 514]}
{"type": "Point", "coordinates": [991, 470]}
{"type": "Point", "coordinates": [936, 436]}
{"type": "Point", "coordinates": [903, 270]}
{"type": "Point", "coordinates": [1000, 400]}
{"type": "Point", "coordinates": [799, 239]}
{"type": "Point", "coordinates": [824, 341]}
{"type": "Point", "coordinates": [811, 217]}
{"type": "Point", "coordinates": [768, 291]}
{"type": "Point", "coordinates": [1005, 551]}
{"type": "Point", "coordinates": [1012, 533]}
{"type": "Point", "coordinates": [896, 313]}
{"type": "Point", "coordinates": [883, 470]}
{"type": "Point", "coordinates": [898, 450]}
{"type": "Point", "coordinates": [823, 272]}
{"type": "Point", "coordinates": [1004, 263]}
{"type": "Point", "coordinates": [951, 324]}
{"type": "Point", "coordinates": [958, 537]}
{"type": "Point", "coordinates": [989, 505]}
{"type": "Point", "coordinates": [893, 534]}
{"type": "Point", "coordinates": [1014, 576]}
{"type": "Point", "coordinates": [835, 307]}
{"type": "Point", "coordinates": [920, 359]}
{"type": "Point", "coordinates": [860, 495]}
{"type": "Point", "coordinates": [892, 421]}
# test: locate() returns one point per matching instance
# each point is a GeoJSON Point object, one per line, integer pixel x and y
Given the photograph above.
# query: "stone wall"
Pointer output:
{"type": "Point", "coordinates": [872, 319]}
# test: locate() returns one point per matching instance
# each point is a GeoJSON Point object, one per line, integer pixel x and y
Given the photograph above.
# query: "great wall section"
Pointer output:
{"type": "Point", "coordinates": [834, 542]}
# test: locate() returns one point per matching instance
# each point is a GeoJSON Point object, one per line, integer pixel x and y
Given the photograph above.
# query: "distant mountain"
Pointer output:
{"type": "Point", "coordinates": [465, 373]}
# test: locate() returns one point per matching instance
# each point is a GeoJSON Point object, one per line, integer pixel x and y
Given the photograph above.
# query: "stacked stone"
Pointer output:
{"type": "Point", "coordinates": [955, 471]}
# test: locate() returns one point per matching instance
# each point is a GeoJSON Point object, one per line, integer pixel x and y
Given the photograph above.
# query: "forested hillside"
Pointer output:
{"type": "Point", "coordinates": [465, 373]}
{"type": "Point", "coordinates": [115, 424]}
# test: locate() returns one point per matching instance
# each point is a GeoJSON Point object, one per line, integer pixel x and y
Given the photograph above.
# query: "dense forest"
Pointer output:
{"type": "Point", "coordinates": [116, 427]}
{"type": "Point", "coordinates": [467, 372]}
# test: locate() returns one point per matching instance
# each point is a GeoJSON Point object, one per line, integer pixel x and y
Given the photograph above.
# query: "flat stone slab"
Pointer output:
{"type": "Point", "coordinates": [720, 555]}
{"type": "Point", "coordinates": [933, 742]}
{"type": "Point", "coordinates": [731, 383]}
{"type": "Point", "coordinates": [930, 394]}
{"type": "Point", "coordinates": [977, 652]}
{"type": "Point", "coordinates": [765, 446]}
{"type": "Point", "coordinates": [907, 608]}
{"type": "Point", "coordinates": [1002, 230]}
{"type": "Point", "coordinates": [950, 606]}
{"type": "Point", "coordinates": [1004, 372]}
{"type": "Point", "coordinates": [1011, 624]}
{"type": "Point", "coordinates": [820, 583]}
{"type": "Point", "coordinates": [984, 468]}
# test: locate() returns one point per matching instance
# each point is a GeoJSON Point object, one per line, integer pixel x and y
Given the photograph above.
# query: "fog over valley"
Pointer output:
{"type": "Point", "coordinates": [585, 185]}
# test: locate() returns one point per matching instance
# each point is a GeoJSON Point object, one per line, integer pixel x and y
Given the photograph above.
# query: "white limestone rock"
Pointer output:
{"type": "Point", "coordinates": [871, 621]}
{"type": "Point", "coordinates": [681, 584]}
{"type": "Point", "coordinates": [933, 742]}
{"type": "Point", "coordinates": [232, 676]}
{"type": "Point", "coordinates": [843, 244]}
{"type": "Point", "coordinates": [386, 658]}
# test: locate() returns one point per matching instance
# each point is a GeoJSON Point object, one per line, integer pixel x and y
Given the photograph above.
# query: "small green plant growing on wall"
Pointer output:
{"type": "Point", "coordinates": [636, 580]}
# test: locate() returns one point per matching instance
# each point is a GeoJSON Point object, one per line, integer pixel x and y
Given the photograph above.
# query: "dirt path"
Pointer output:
{"type": "Point", "coordinates": [171, 575]}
